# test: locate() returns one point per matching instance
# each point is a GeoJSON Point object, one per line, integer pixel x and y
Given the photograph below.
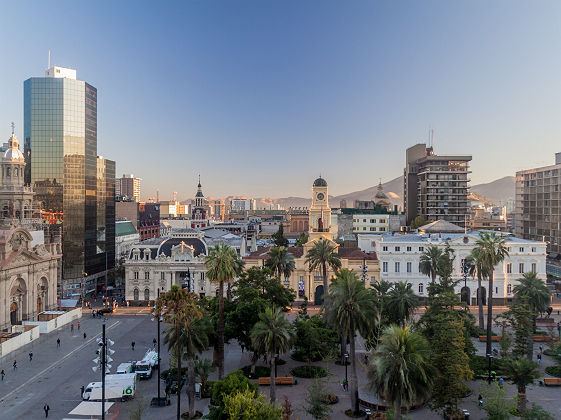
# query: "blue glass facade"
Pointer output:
{"type": "Point", "coordinates": [76, 189]}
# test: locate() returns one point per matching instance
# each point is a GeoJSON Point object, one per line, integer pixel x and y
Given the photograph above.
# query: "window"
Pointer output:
{"type": "Point", "coordinates": [372, 220]}
{"type": "Point", "coordinates": [372, 229]}
{"type": "Point", "coordinates": [409, 267]}
{"type": "Point", "coordinates": [364, 220]}
{"type": "Point", "coordinates": [385, 267]}
{"type": "Point", "coordinates": [534, 268]}
{"type": "Point", "coordinates": [384, 248]}
{"type": "Point", "coordinates": [496, 290]}
{"type": "Point", "coordinates": [533, 249]}
{"type": "Point", "coordinates": [397, 249]}
{"type": "Point", "coordinates": [135, 294]}
{"type": "Point", "coordinates": [521, 249]}
{"type": "Point", "coordinates": [521, 267]}
{"type": "Point", "coordinates": [163, 275]}
{"type": "Point", "coordinates": [421, 248]}
{"type": "Point", "coordinates": [147, 276]}
{"type": "Point", "coordinates": [382, 229]}
{"type": "Point", "coordinates": [408, 249]}
{"type": "Point", "coordinates": [136, 256]}
{"type": "Point", "coordinates": [420, 288]}
{"type": "Point", "coordinates": [509, 289]}
{"type": "Point", "coordinates": [146, 294]}
{"type": "Point", "coordinates": [509, 268]}
{"type": "Point", "coordinates": [136, 276]}
{"type": "Point", "coordinates": [397, 267]}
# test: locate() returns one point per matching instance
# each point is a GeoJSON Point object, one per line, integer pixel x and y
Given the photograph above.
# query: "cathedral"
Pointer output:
{"type": "Point", "coordinates": [28, 266]}
{"type": "Point", "coordinates": [199, 213]}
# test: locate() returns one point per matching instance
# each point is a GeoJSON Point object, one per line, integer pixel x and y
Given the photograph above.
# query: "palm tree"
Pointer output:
{"type": "Point", "coordinates": [350, 307]}
{"type": "Point", "coordinates": [193, 338]}
{"type": "Point", "coordinates": [533, 291]}
{"type": "Point", "coordinates": [274, 334]}
{"type": "Point", "coordinates": [522, 372]}
{"type": "Point", "coordinates": [400, 369]}
{"type": "Point", "coordinates": [280, 261]}
{"type": "Point", "coordinates": [177, 307]}
{"type": "Point", "coordinates": [493, 251]}
{"type": "Point", "coordinates": [203, 369]}
{"type": "Point", "coordinates": [431, 261]}
{"type": "Point", "coordinates": [223, 264]}
{"type": "Point", "coordinates": [401, 302]}
{"type": "Point", "coordinates": [322, 255]}
{"type": "Point", "coordinates": [476, 266]}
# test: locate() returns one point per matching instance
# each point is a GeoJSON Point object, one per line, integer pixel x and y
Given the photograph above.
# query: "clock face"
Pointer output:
{"type": "Point", "coordinates": [320, 196]}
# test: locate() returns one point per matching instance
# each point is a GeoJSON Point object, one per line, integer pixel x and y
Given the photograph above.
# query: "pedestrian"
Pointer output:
{"type": "Point", "coordinates": [539, 359]}
{"type": "Point", "coordinates": [82, 391]}
{"type": "Point", "coordinates": [501, 382]}
{"type": "Point", "coordinates": [154, 341]}
{"type": "Point", "coordinates": [15, 365]}
{"type": "Point", "coordinates": [480, 400]}
{"type": "Point", "coordinates": [58, 342]}
{"type": "Point", "coordinates": [132, 345]}
{"type": "Point", "coordinates": [366, 358]}
{"type": "Point", "coordinates": [84, 336]}
{"type": "Point", "coordinates": [72, 327]}
{"type": "Point", "coordinates": [30, 356]}
{"type": "Point", "coordinates": [541, 349]}
{"type": "Point", "coordinates": [78, 325]}
{"type": "Point", "coordinates": [2, 374]}
{"type": "Point", "coordinates": [46, 408]}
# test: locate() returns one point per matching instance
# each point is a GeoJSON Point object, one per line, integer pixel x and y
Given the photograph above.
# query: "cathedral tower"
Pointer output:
{"type": "Point", "coordinates": [320, 212]}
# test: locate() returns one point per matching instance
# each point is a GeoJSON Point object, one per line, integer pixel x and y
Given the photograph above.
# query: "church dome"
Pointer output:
{"type": "Point", "coordinates": [320, 182]}
{"type": "Point", "coordinates": [13, 153]}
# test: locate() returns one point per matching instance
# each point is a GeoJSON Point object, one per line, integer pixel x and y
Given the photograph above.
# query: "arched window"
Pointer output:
{"type": "Point", "coordinates": [135, 293]}
{"type": "Point", "coordinates": [146, 294]}
{"type": "Point", "coordinates": [509, 289]}
{"type": "Point", "coordinates": [421, 288]}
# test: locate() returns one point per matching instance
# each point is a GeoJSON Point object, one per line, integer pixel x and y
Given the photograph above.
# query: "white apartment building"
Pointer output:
{"type": "Point", "coordinates": [399, 256]}
{"type": "Point", "coordinates": [371, 223]}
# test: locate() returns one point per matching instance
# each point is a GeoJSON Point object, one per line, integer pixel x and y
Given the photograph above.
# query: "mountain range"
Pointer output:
{"type": "Point", "coordinates": [498, 192]}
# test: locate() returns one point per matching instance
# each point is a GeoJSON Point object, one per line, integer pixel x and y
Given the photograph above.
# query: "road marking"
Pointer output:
{"type": "Point", "coordinates": [2, 399]}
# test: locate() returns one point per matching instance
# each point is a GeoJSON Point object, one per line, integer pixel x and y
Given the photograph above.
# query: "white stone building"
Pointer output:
{"type": "Point", "coordinates": [399, 256]}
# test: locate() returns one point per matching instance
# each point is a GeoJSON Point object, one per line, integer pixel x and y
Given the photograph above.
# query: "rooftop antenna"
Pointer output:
{"type": "Point", "coordinates": [49, 62]}
{"type": "Point", "coordinates": [13, 128]}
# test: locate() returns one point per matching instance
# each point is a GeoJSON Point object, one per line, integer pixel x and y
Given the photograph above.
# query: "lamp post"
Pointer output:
{"type": "Point", "coordinates": [103, 363]}
{"type": "Point", "coordinates": [490, 358]}
{"type": "Point", "coordinates": [346, 363]}
{"type": "Point", "coordinates": [84, 275]}
{"type": "Point", "coordinates": [465, 269]}
{"type": "Point", "coordinates": [159, 358]}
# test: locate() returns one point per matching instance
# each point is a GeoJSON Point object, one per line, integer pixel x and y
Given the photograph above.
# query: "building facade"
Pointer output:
{"type": "Point", "coordinates": [128, 187]}
{"type": "Point", "coordinates": [435, 187]}
{"type": "Point", "coordinates": [76, 188]}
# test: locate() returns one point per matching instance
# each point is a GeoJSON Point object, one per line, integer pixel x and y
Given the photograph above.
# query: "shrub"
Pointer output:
{"type": "Point", "coordinates": [537, 413]}
{"type": "Point", "coordinates": [330, 399]}
{"type": "Point", "coordinates": [309, 372]}
{"type": "Point", "coordinates": [173, 372]}
{"type": "Point", "coordinates": [232, 383]}
{"type": "Point", "coordinates": [206, 392]}
{"type": "Point", "coordinates": [197, 415]}
{"type": "Point", "coordinates": [480, 366]}
{"type": "Point", "coordinates": [260, 371]}
{"type": "Point", "coordinates": [554, 371]}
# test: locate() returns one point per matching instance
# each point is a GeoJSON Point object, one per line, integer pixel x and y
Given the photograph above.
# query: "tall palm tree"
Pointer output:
{"type": "Point", "coordinates": [400, 369]}
{"type": "Point", "coordinates": [533, 291]}
{"type": "Point", "coordinates": [522, 372]}
{"type": "Point", "coordinates": [493, 251]}
{"type": "Point", "coordinates": [350, 307]}
{"type": "Point", "coordinates": [280, 261]}
{"type": "Point", "coordinates": [321, 256]}
{"type": "Point", "coordinates": [476, 266]}
{"type": "Point", "coordinates": [401, 302]}
{"type": "Point", "coordinates": [223, 264]}
{"type": "Point", "coordinates": [193, 338]}
{"type": "Point", "coordinates": [274, 334]}
{"type": "Point", "coordinates": [431, 261]}
{"type": "Point", "coordinates": [177, 307]}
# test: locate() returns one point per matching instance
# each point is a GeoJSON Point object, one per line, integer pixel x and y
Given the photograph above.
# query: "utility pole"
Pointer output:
{"type": "Point", "coordinates": [103, 364]}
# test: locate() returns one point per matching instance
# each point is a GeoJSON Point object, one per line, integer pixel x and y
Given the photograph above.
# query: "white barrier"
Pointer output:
{"type": "Point", "coordinates": [21, 340]}
{"type": "Point", "coordinates": [63, 318]}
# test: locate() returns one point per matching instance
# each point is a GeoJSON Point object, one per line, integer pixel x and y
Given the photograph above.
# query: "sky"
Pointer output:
{"type": "Point", "coordinates": [260, 97]}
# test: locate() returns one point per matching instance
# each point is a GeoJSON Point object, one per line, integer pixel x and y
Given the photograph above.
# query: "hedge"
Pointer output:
{"type": "Point", "coordinates": [309, 372]}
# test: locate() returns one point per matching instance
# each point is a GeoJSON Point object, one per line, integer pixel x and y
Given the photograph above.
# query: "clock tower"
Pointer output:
{"type": "Point", "coordinates": [320, 212]}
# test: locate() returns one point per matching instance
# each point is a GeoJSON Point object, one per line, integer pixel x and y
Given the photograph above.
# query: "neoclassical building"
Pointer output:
{"type": "Point", "coordinates": [302, 280]}
{"type": "Point", "coordinates": [28, 266]}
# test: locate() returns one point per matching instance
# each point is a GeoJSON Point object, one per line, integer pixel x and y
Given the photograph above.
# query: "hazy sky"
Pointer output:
{"type": "Point", "coordinates": [261, 96]}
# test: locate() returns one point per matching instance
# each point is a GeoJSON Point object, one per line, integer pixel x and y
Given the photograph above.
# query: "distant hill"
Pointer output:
{"type": "Point", "coordinates": [498, 192]}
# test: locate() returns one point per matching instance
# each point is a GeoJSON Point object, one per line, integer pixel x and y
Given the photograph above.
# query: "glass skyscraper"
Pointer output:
{"type": "Point", "coordinates": [75, 186]}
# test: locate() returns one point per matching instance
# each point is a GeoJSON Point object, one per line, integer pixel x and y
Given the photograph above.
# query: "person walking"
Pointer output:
{"type": "Point", "coordinates": [539, 359]}
{"type": "Point", "coordinates": [501, 382]}
{"type": "Point", "coordinates": [72, 327]}
{"type": "Point", "coordinates": [58, 342]}
{"type": "Point", "coordinates": [154, 341]}
{"type": "Point", "coordinates": [30, 356]}
{"type": "Point", "coordinates": [2, 374]}
{"type": "Point", "coordinates": [84, 336]}
{"type": "Point", "coordinates": [78, 325]}
{"type": "Point", "coordinates": [132, 345]}
{"type": "Point", "coordinates": [480, 400]}
{"type": "Point", "coordinates": [46, 408]}
{"type": "Point", "coordinates": [541, 349]}
{"type": "Point", "coordinates": [15, 365]}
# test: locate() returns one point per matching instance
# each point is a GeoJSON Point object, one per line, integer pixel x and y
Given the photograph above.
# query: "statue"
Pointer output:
{"type": "Point", "coordinates": [320, 225]}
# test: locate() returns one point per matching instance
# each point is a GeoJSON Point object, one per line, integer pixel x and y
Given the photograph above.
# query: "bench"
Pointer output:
{"type": "Point", "coordinates": [552, 381]}
{"type": "Point", "coordinates": [541, 338]}
{"type": "Point", "coordinates": [281, 380]}
{"type": "Point", "coordinates": [496, 338]}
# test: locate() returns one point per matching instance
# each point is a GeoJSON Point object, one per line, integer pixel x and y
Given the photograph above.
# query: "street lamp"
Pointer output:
{"type": "Point", "coordinates": [84, 275]}
{"type": "Point", "coordinates": [465, 269]}
{"type": "Point", "coordinates": [490, 358]}
{"type": "Point", "coordinates": [159, 358]}
{"type": "Point", "coordinates": [103, 361]}
{"type": "Point", "coordinates": [346, 363]}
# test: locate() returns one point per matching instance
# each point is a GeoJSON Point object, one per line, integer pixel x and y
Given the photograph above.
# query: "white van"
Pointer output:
{"type": "Point", "coordinates": [124, 368]}
{"type": "Point", "coordinates": [126, 383]}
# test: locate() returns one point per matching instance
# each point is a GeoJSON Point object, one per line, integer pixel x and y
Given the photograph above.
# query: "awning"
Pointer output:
{"type": "Point", "coordinates": [111, 393]}
{"type": "Point", "coordinates": [68, 303]}
{"type": "Point", "coordinates": [89, 408]}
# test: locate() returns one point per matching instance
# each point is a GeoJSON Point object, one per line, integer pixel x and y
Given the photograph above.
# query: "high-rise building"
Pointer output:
{"type": "Point", "coordinates": [435, 187]}
{"type": "Point", "coordinates": [76, 187]}
{"type": "Point", "coordinates": [538, 210]}
{"type": "Point", "coordinates": [128, 186]}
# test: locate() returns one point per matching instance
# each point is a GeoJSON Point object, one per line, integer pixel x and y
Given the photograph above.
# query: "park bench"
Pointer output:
{"type": "Point", "coordinates": [281, 380]}
{"type": "Point", "coordinates": [496, 338]}
{"type": "Point", "coordinates": [552, 381]}
{"type": "Point", "coordinates": [541, 338]}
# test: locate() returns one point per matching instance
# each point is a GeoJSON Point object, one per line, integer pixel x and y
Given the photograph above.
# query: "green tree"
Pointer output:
{"type": "Point", "coordinates": [232, 383]}
{"type": "Point", "coordinates": [248, 405]}
{"type": "Point", "coordinates": [350, 307]}
{"type": "Point", "coordinates": [273, 333]}
{"type": "Point", "coordinates": [400, 368]}
{"type": "Point", "coordinates": [280, 261]}
{"type": "Point", "coordinates": [430, 262]}
{"type": "Point", "coordinates": [537, 413]}
{"type": "Point", "coordinates": [321, 256]}
{"type": "Point", "coordinates": [417, 222]}
{"type": "Point", "coordinates": [522, 372]}
{"type": "Point", "coordinates": [532, 291]}
{"type": "Point", "coordinates": [178, 307]}
{"type": "Point", "coordinates": [476, 267]}
{"type": "Point", "coordinates": [493, 251]}
{"type": "Point", "coordinates": [401, 302]}
{"type": "Point", "coordinates": [314, 339]}
{"type": "Point", "coordinates": [223, 264]}
{"type": "Point", "coordinates": [315, 400]}
{"type": "Point", "coordinates": [519, 317]}
{"type": "Point", "coordinates": [203, 369]}
{"type": "Point", "coordinates": [496, 404]}
{"type": "Point", "coordinates": [302, 239]}
{"type": "Point", "coordinates": [278, 237]}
